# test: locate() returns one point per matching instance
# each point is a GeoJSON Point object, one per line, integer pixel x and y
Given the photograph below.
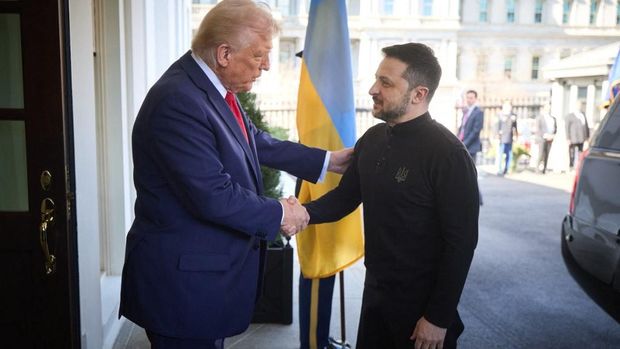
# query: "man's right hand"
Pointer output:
{"type": "Point", "coordinates": [296, 217]}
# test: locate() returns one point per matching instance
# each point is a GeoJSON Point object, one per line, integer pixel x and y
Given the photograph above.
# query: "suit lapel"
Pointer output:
{"type": "Point", "coordinates": [223, 111]}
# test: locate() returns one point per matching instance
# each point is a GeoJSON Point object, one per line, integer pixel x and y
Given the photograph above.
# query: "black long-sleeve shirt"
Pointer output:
{"type": "Point", "coordinates": [418, 186]}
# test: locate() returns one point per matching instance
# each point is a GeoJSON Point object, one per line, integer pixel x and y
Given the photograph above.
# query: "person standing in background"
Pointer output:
{"type": "Point", "coordinates": [577, 132]}
{"type": "Point", "coordinates": [471, 125]}
{"type": "Point", "coordinates": [546, 128]}
{"type": "Point", "coordinates": [507, 133]}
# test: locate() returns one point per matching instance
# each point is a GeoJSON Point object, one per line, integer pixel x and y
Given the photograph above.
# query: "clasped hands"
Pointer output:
{"type": "Point", "coordinates": [296, 217]}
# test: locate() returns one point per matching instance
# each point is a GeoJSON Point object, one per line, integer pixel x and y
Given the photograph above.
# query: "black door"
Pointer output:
{"type": "Point", "coordinates": [38, 260]}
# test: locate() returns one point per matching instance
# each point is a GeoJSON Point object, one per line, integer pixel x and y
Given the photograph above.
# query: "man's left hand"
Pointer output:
{"type": "Point", "coordinates": [427, 335]}
{"type": "Point", "coordinates": [339, 160]}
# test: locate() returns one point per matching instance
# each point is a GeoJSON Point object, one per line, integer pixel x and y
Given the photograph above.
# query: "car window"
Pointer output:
{"type": "Point", "coordinates": [609, 134]}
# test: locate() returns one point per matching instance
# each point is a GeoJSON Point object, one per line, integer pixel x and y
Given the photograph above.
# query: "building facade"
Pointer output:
{"type": "Point", "coordinates": [497, 47]}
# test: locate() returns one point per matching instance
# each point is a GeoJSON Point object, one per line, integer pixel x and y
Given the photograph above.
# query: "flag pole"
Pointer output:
{"type": "Point", "coordinates": [343, 330]}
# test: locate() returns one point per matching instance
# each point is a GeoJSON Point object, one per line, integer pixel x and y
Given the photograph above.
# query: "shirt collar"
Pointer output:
{"type": "Point", "coordinates": [408, 126]}
{"type": "Point", "coordinates": [211, 75]}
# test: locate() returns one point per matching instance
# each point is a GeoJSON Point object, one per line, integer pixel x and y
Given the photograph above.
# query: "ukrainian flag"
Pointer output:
{"type": "Point", "coordinates": [326, 119]}
{"type": "Point", "coordinates": [614, 82]}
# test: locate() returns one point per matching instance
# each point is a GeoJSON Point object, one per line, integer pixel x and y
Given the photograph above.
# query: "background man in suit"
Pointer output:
{"type": "Point", "coordinates": [418, 186]}
{"type": "Point", "coordinates": [546, 128]}
{"type": "Point", "coordinates": [471, 125]}
{"type": "Point", "coordinates": [577, 132]}
{"type": "Point", "coordinates": [195, 251]}
{"type": "Point", "coordinates": [507, 134]}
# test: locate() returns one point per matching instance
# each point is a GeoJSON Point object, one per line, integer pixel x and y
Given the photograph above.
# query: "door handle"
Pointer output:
{"type": "Point", "coordinates": [47, 221]}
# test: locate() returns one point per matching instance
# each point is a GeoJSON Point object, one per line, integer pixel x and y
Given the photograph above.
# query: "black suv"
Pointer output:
{"type": "Point", "coordinates": [591, 229]}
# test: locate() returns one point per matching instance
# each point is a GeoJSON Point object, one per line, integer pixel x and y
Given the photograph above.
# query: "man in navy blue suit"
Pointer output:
{"type": "Point", "coordinates": [471, 125]}
{"type": "Point", "coordinates": [195, 251]}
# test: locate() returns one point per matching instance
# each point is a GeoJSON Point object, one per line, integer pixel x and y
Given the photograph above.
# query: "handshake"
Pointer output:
{"type": "Point", "coordinates": [296, 217]}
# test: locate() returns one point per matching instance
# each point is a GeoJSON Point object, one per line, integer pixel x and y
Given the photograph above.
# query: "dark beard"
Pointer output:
{"type": "Point", "coordinates": [394, 113]}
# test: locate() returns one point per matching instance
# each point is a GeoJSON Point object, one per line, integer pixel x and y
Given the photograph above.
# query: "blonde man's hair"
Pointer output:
{"type": "Point", "coordinates": [231, 22]}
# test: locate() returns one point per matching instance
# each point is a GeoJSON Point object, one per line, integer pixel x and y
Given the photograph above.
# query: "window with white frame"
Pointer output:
{"type": "Point", "coordinates": [538, 11]}
{"type": "Point", "coordinates": [508, 67]}
{"type": "Point", "coordinates": [481, 67]}
{"type": "Point", "coordinates": [483, 13]}
{"type": "Point", "coordinates": [387, 7]}
{"type": "Point", "coordinates": [567, 6]}
{"type": "Point", "coordinates": [287, 7]}
{"type": "Point", "coordinates": [510, 11]}
{"type": "Point", "coordinates": [535, 67]}
{"type": "Point", "coordinates": [286, 56]}
{"type": "Point", "coordinates": [594, 5]}
{"type": "Point", "coordinates": [427, 8]}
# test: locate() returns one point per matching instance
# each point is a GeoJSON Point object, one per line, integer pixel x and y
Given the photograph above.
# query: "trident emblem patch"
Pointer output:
{"type": "Point", "coordinates": [401, 174]}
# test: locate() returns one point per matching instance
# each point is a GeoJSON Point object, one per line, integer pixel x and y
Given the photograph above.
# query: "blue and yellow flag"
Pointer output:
{"type": "Point", "coordinates": [614, 82]}
{"type": "Point", "coordinates": [326, 119]}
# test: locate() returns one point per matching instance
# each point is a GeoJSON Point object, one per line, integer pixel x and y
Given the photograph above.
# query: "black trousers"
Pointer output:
{"type": "Point", "coordinates": [384, 325]}
{"type": "Point", "coordinates": [544, 154]}
{"type": "Point", "coordinates": [162, 342]}
{"type": "Point", "coordinates": [572, 149]}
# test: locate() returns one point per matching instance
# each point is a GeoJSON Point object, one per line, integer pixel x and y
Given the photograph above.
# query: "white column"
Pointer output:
{"type": "Point", "coordinates": [495, 61]}
{"type": "Point", "coordinates": [590, 104]}
{"type": "Point", "coordinates": [552, 12]}
{"type": "Point", "coordinates": [468, 64]}
{"type": "Point", "coordinates": [604, 88]}
{"type": "Point", "coordinates": [497, 12]}
{"type": "Point", "coordinates": [521, 65]}
{"type": "Point", "coordinates": [86, 170]}
{"type": "Point", "coordinates": [524, 12]}
{"type": "Point", "coordinates": [367, 8]}
{"type": "Point", "coordinates": [573, 94]}
{"type": "Point", "coordinates": [135, 51]}
{"type": "Point", "coordinates": [557, 99]}
{"type": "Point", "coordinates": [454, 8]}
{"type": "Point", "coordinates": [558, 155]}
{"type": "Point", "coordinates": [450, 59]}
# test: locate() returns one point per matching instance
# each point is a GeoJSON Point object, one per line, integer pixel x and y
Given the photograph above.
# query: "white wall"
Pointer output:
{"type": "Point", "coordinates": [136, 41]}
{"type": "Point", "coordinates": [86, 170]}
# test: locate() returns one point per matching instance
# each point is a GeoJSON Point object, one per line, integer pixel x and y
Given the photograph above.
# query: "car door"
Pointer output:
{"type": "Point", "coordinates": [597, 203]}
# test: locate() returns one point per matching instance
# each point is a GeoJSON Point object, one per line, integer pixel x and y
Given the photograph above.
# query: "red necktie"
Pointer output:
{"type": "Point", "coordinates": [232, 103]}
{"type": "Point", "coordinates": [462, 131]}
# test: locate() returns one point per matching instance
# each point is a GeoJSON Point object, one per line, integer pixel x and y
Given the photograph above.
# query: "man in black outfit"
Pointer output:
{"type": "Point", "coordinates": [418, 186]}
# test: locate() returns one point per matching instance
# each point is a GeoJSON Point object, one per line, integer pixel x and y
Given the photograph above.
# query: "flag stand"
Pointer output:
{"type": "Point", "coordinates": [342, 343]}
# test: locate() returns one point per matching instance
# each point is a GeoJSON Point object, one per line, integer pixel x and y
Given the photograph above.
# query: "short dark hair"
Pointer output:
{"type": "Point", "coordinates": [422, 66]}
{"type": "Point", "coordinates": [472, 91]}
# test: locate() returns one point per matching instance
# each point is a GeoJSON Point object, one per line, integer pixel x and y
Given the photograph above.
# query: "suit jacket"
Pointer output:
{"type": "Point", "coordinates": [507, 128]}
{"type": "Point", "coordinates": [193, 260]}
{"type": "Point", "coordinates": [546, 127]}
{"type": "Point", "coordinates": [471, 130]}
{"type": "Point", "coordinates": [576, 130]}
